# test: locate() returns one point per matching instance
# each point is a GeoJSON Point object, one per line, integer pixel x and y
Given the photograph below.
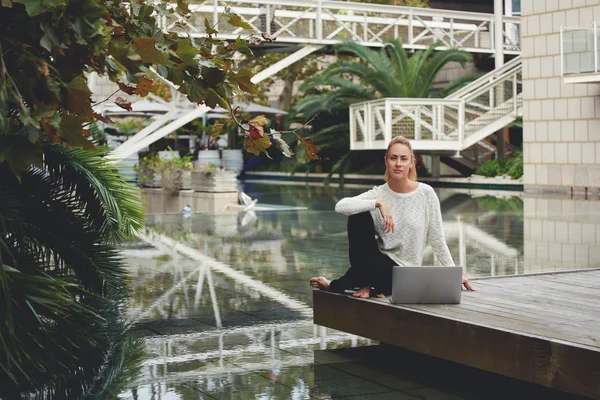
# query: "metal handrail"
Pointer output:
{"type": "Point", "coordinates": [514, 64]}
{"type": "Point", "coordinates": [444, 119]}
{"type": "Point", "coordinates": [328, 22]}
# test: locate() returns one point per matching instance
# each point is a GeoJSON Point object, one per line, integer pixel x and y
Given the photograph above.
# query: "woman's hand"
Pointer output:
{"type": "Point", "coordinates": [467, 285]}
{"type": "Point", "coordinates": [388, 220]}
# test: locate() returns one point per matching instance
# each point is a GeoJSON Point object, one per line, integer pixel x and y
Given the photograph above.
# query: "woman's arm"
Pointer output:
{"type": "Point", "coordinates": [437, 239]}
{"type": "Point", "coordinates": [355, 205]}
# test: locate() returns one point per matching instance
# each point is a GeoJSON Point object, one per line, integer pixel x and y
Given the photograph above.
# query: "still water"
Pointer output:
{"type": "Point", "coordinates": [233, 318]}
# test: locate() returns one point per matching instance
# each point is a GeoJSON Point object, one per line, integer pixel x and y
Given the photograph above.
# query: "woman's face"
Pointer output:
{"type": "Point", "coordinates": [398, 161]}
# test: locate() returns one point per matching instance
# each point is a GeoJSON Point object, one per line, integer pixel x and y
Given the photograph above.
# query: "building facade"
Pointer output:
{"type": "Point", "coordinates": [561, 121]}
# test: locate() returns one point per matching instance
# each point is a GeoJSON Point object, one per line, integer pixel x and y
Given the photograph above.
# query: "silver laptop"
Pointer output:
{"type": "Point", "coordinates": [426, 285]}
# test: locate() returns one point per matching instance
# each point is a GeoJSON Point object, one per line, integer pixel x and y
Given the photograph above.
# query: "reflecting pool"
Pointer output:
{"type": "Point", "coordinates": [230, 317]}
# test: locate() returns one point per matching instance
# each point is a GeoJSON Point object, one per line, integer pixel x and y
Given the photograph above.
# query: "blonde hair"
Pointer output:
{"type": "Point", "coordinates": [412, 172]}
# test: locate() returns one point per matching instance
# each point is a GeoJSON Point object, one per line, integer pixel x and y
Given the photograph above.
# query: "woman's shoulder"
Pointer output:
{"type": "Point", "coordinates": [427, 190]}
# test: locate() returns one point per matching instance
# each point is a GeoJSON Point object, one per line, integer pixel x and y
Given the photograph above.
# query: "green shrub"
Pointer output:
{"type": "Point", "coordinates": [512, 167]}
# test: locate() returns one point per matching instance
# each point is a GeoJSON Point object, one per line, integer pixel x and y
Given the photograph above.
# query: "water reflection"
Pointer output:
{"type": "Point", "coordinates": [229, 314]}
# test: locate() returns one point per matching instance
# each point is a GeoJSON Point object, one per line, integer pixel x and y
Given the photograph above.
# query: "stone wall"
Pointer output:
{"type": "Point", "coordinates": [561, 128]}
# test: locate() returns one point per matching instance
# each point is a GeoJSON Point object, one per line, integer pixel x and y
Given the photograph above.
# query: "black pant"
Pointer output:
{"type": "Point", "coordinates": [368, 266]}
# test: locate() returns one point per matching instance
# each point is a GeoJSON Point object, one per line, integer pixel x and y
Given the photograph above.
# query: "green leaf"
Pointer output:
{"type": "Point", "coordinates": [78, 97]}
{"type": "Point", "coordinates": [50, 39]}
{"type": "Point", "coordinates": [214, 98]}
{"type": "Point", "coordinates": [36, 7]}
{"type": "Point", "coordinates": [20, 153]}
{"type": "Point", "coordinates": [243, 80]}
{"type": "Point", "coordinates": [236, 20]}
{"type": "Point", "coordinates": [209, 30]}
{"type": "Point", "coordinates": [182, 6]}
{"type": "Point", "coordinates": [196, 91]}
{"type": "Point", "coordinates": [242, 47]}
{"type": "Point", "coordinates": [146, 48]}
{"type": "Point", "coordinates": [257, 146]}
{"type": "Point", "coordinates": [187, 52]}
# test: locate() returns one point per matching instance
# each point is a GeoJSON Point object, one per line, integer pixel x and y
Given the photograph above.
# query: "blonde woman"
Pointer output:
{"type": "Point", "coordinates": [388, 226]}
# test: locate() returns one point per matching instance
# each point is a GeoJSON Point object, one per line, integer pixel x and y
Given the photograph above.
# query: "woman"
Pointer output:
{"type": "Point", "coordinates": [403, 213]}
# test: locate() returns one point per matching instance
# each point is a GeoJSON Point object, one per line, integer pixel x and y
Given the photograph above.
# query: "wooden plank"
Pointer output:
{"type": "Point", "coordinates": [540, 296]}
{"type": "Point", "coordinates": [543, 329]}
{"type": "Point", "coordinates": [532, 309]}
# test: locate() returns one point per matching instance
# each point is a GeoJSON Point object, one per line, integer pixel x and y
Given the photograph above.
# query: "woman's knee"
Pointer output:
{"type": "Point", "coordinates": [361, 221]}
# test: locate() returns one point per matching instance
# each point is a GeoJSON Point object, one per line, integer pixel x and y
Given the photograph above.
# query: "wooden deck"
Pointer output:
{"type": "Point", "coordinates": [542, 328]}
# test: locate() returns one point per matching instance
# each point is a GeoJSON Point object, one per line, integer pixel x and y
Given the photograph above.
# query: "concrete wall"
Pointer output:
{"type": "Point", "coordinates": [561, 129]}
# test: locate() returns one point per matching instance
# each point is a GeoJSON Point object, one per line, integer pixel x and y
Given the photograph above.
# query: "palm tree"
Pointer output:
{"type": "Point", "coordinates": [62, 282]}
{"type": "Point", "coordinates": [387, 72]}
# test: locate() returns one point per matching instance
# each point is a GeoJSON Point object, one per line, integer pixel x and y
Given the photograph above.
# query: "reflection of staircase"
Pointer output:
{"type": "Point", "coordinates": [455, 127]}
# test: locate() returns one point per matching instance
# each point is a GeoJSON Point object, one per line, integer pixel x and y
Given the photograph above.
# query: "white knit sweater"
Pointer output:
{"type": "Point", "coordinates": [417, 220]}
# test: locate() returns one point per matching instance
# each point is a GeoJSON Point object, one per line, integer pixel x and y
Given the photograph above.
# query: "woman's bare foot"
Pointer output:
{"type": "Point", "coordinates": [363, 292]}
{"type": "Point", "coordinates": [320, 283]}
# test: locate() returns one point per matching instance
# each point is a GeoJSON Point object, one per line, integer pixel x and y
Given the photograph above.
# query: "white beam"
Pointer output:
{"type": "Point", "coordinates": [286, 62]}
{"type": "Point", "coordinates": [160, 133]}
{"type": "Point", "coordinates": [154, 125]}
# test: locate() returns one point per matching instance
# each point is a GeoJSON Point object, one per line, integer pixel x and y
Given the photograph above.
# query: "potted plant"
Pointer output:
{"type": "Point", "coordinates": [176, 173]}
{"type": "Point", "coordinates": [211, 178]}
{"type": "Point", "coordinates": [149, 171]}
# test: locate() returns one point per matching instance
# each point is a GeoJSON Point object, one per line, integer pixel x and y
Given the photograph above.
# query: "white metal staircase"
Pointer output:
{"type": "Point", "coordinates": [452, 124]}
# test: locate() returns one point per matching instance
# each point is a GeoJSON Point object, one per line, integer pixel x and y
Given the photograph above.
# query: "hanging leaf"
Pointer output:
{"type": "Point", "coordinates": [143, 87]}
{"type": "Point", "coordinates": [187, 52]}
{"type": "Point", "coordinates": [281, 144]}
{"type": "Point", "coordinates": [183, 7]}
{"type": "Point", "coordinates": [256, 131]}
{"type": "Point", "coordinates": [243, 80]}
{"type": "Point", "coordinates": [259, 120]}
{"type": "Point", "coordinates": [78, 97]}
{"type": "Point", "coordinates": [257, 146]}
{"type": "Point", "coordinates": [103, 118]}
{"type": "Point", "coordinates": [130, 90]}
{"type": "Point", "coordinates": [242, 47]}
{"type": "Point", "coordinates": [71, 131]}
{"type": "Point", "coordinates": [208, 28]}
{"type": "Point", "coordinates": [124, 104]}
{"type": "Point", "coordinates": [146, 48]}
{"type": "Point", "coordinates": [236, 20]}
{"type": "Point", "coordinates": [216, 130]}
{"type": "Point", "coordinates": [50, 132]}
{"type": "Point", "coordinates": [309, 148]}
{"type": "Point", "coordinates": [36, 7]}
{"type": "Point", "coordinates": [20, 153]}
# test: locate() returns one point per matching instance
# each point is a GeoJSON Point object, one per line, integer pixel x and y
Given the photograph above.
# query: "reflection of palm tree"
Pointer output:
{"type": "Point", "coordinates": [388, 72]}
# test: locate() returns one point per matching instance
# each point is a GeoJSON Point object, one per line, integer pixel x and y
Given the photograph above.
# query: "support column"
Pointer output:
{"type": "Point", "coordinates": [499, 62]}
{"type": "Point", "coordinates": [498, 33]}
{"type": "Point", "coordinates": [435, 165]}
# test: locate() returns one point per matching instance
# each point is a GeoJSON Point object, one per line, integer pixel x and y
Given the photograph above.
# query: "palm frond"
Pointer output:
{"type": "Point", "coordinates": [375, 59]}
{"type": "Point", "coordinates": [113, 205]}
{"type": "Point", "coordinates": [437, 62]}
{"type": "Point", "coordinates": [398, 59]}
